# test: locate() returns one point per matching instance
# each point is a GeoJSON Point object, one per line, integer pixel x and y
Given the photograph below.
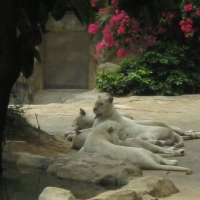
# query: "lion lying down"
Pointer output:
{"type": "Point", "coordinates": [104, 110]}
{"type": "Point", "coordinates": [79, 140]}
{"type": "Point", "coordinates": [86, 119]}
{"type": "Point", "coordinates": [104, 138]}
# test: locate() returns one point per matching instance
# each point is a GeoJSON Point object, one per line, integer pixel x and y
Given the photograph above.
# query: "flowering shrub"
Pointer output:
{"type": "Point", "coordinates": [189, 23]}
{"type": "Point", "coordinates": [126, 35]}
{"type": "Point", "coordinates": [122, 33]}
{"type": "Point", "coordinates": [170, 67]}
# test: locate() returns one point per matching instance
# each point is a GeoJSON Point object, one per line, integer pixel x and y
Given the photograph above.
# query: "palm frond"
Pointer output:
{"type": "Point", "coordinates": [103, 19]}
{"type": "Point", "coordinates": [83, 11]}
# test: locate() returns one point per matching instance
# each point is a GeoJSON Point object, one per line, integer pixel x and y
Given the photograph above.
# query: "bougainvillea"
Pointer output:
{"type": "Point", "coordinates": [122, 33]}
{"type": "Point", "coordinates": [128, 35]}
{"type": "Point", "coordinates": [188, 7]}
{"type": "Point", "coordinates": [187, 24]}
{"type": "Point", "coordinates": [93, 28]}
{"type": "Point", "coordinates": [93, 2]}
{"type": "Point", "coordinates": [198, 13]}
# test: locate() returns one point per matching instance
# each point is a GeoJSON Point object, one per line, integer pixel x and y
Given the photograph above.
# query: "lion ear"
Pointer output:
{"type": "Point", "coordinates": [82, 112]}
{"type": "Point", "coordinates": [110, 99]}
{"type": "Point", "coordinates": [110, 129]}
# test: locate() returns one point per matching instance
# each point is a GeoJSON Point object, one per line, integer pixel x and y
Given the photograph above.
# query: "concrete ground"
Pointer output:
{"type": "Point", "coordinates": [182, 111]}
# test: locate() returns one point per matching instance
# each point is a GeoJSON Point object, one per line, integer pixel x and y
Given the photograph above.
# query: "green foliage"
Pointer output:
{"type": "Point", "coordinates": [168, 69]}
{"type": "Point", "coordinates": [15, 121]}
{"type": "Point", "coordinates": [149, 9]}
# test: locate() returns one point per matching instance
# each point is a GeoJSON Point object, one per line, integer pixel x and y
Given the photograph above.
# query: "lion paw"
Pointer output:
{"type": "Point", "coordinates": [188, 172]}
{"type": "Point", "coordinates": [181, 152]}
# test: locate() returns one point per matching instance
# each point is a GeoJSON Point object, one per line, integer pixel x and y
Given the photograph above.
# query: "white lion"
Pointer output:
{"type": "Point", "coordinates": [104, 110]}
{"type": "Point", "coordinates": [80, 137]}
{"type": "Point", "coordinates": [104, 138]}
{"type": "Point", "coordinates": [85, 120]}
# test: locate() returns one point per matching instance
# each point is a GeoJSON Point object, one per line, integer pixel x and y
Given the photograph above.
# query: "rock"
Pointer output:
{"type": "Point", "coordinates": [153, 185]}
{"type": "Point", "coordinates": [34, 161]}
{"type": "Point", "coordinates": [145, 188]}
{"type": "Point", "coordinates": [95, 168]}
{"type": "Point", "coordinates": [53, 193]}
{"type": "Point", "coordinates": [10, 157]}
{"type": "Point", "coordinates": [109, 67]}
{"type": "Point", "coordinates": [117, 195]}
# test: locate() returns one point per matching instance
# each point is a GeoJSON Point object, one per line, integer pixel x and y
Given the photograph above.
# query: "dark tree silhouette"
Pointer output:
{"type": "Point", "coordinates": [22, 23]}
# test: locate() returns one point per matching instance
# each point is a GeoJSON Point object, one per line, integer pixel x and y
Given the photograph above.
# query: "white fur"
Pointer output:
{"type": "Point", "coordinates": [104, 138]}
{"type": "Point", "coordinates": [105, 110]}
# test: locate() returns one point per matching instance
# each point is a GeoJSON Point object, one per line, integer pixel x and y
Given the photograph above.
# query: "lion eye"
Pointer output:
{"type": "Point", "coordinates": [101, 104]}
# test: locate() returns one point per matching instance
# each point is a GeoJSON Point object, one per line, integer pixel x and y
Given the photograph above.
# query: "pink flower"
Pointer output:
{"type": "Point", "coordinates": [170, 15]}
{"type": "Point", "coordinates": [187, 35]}
{"type": "Point", "coordinates": [149, 40]}
{"type": "Point", "coordinates": [182, 22]}
{"type": "Point", "coordinates": [122, 53]}
{"type": "Point", "coordinates": [188, 7]}
{"type": "Point", "coordinates": [101, 9]}
{"type": "Point", "coordinates": [109, 40]}
{"type": "Point", "coordinates": [161, 30]}
{"type": "Point", "coordinates": [99, 47]}
{"type": "Point", "coordinates": [117, 11]}
{"type": "Point", "coordinates": [189, 20]}
{"type": "Point", "coordinates": [186, 28]}
{"type": "Point", "coordinates": [93, 28]}
{"type": "Point", "coordinates": [93, 2]}
{"type": "Point", "coordinates": [114, 3]}
{"type": "Point", "coordinates": [135, 28]}
{"type": "Point", "coordinates": [128, 40]}
{"type": "Point", "coordinates": [198, 13]}
{"type": "Point", "coordinates": [96, 56]}
{"type": "Point", "coordinates": [122, 29]}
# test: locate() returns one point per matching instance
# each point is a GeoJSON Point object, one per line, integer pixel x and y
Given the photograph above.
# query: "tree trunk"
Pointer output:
{"type": "Point", "coordinates": [9, 66]}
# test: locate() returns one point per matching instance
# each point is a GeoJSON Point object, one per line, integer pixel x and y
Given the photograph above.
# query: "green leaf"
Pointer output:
{"type": "Point", "coordinates": [59, 9]}
{"type": "Point", "coordinates": [27, 60]}
{"type": "Point", "coordinates": [35, 53]}
{"type": "Point", "coordinates": [83, 11]}
{"type": "Point", "coordinates": [49, 3]}
{"type": "Point", "coordinates": [43, 12]}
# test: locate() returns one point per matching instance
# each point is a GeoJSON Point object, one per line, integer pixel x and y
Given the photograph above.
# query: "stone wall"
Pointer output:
{"type": "Point", "coordinates": [75, 75]}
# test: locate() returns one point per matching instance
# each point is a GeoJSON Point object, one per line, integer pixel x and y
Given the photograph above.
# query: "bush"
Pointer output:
{"type": "Point", "coordinates": [168, 69]}
{"type": "Point", "coordinates": [15, 121]}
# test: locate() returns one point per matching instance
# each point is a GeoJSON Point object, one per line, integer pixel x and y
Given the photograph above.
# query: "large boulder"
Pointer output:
{"type": "Point", "coordinates": [155, 186]}
{"type": "Point", "coordinates": [11, 157]}
{"type": "Point", "coordinates": [144, 188]}
{"type": "Point", "coordinates": [95, 168]}
{"type": "Point", "coordinates": [108, 66]}
{"type": "Point", "coordinates": [53, 193]}
{"type": "Point", "coordinates": [118, 195]}
{"type": "Point", "coordinates": [33, 161]}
